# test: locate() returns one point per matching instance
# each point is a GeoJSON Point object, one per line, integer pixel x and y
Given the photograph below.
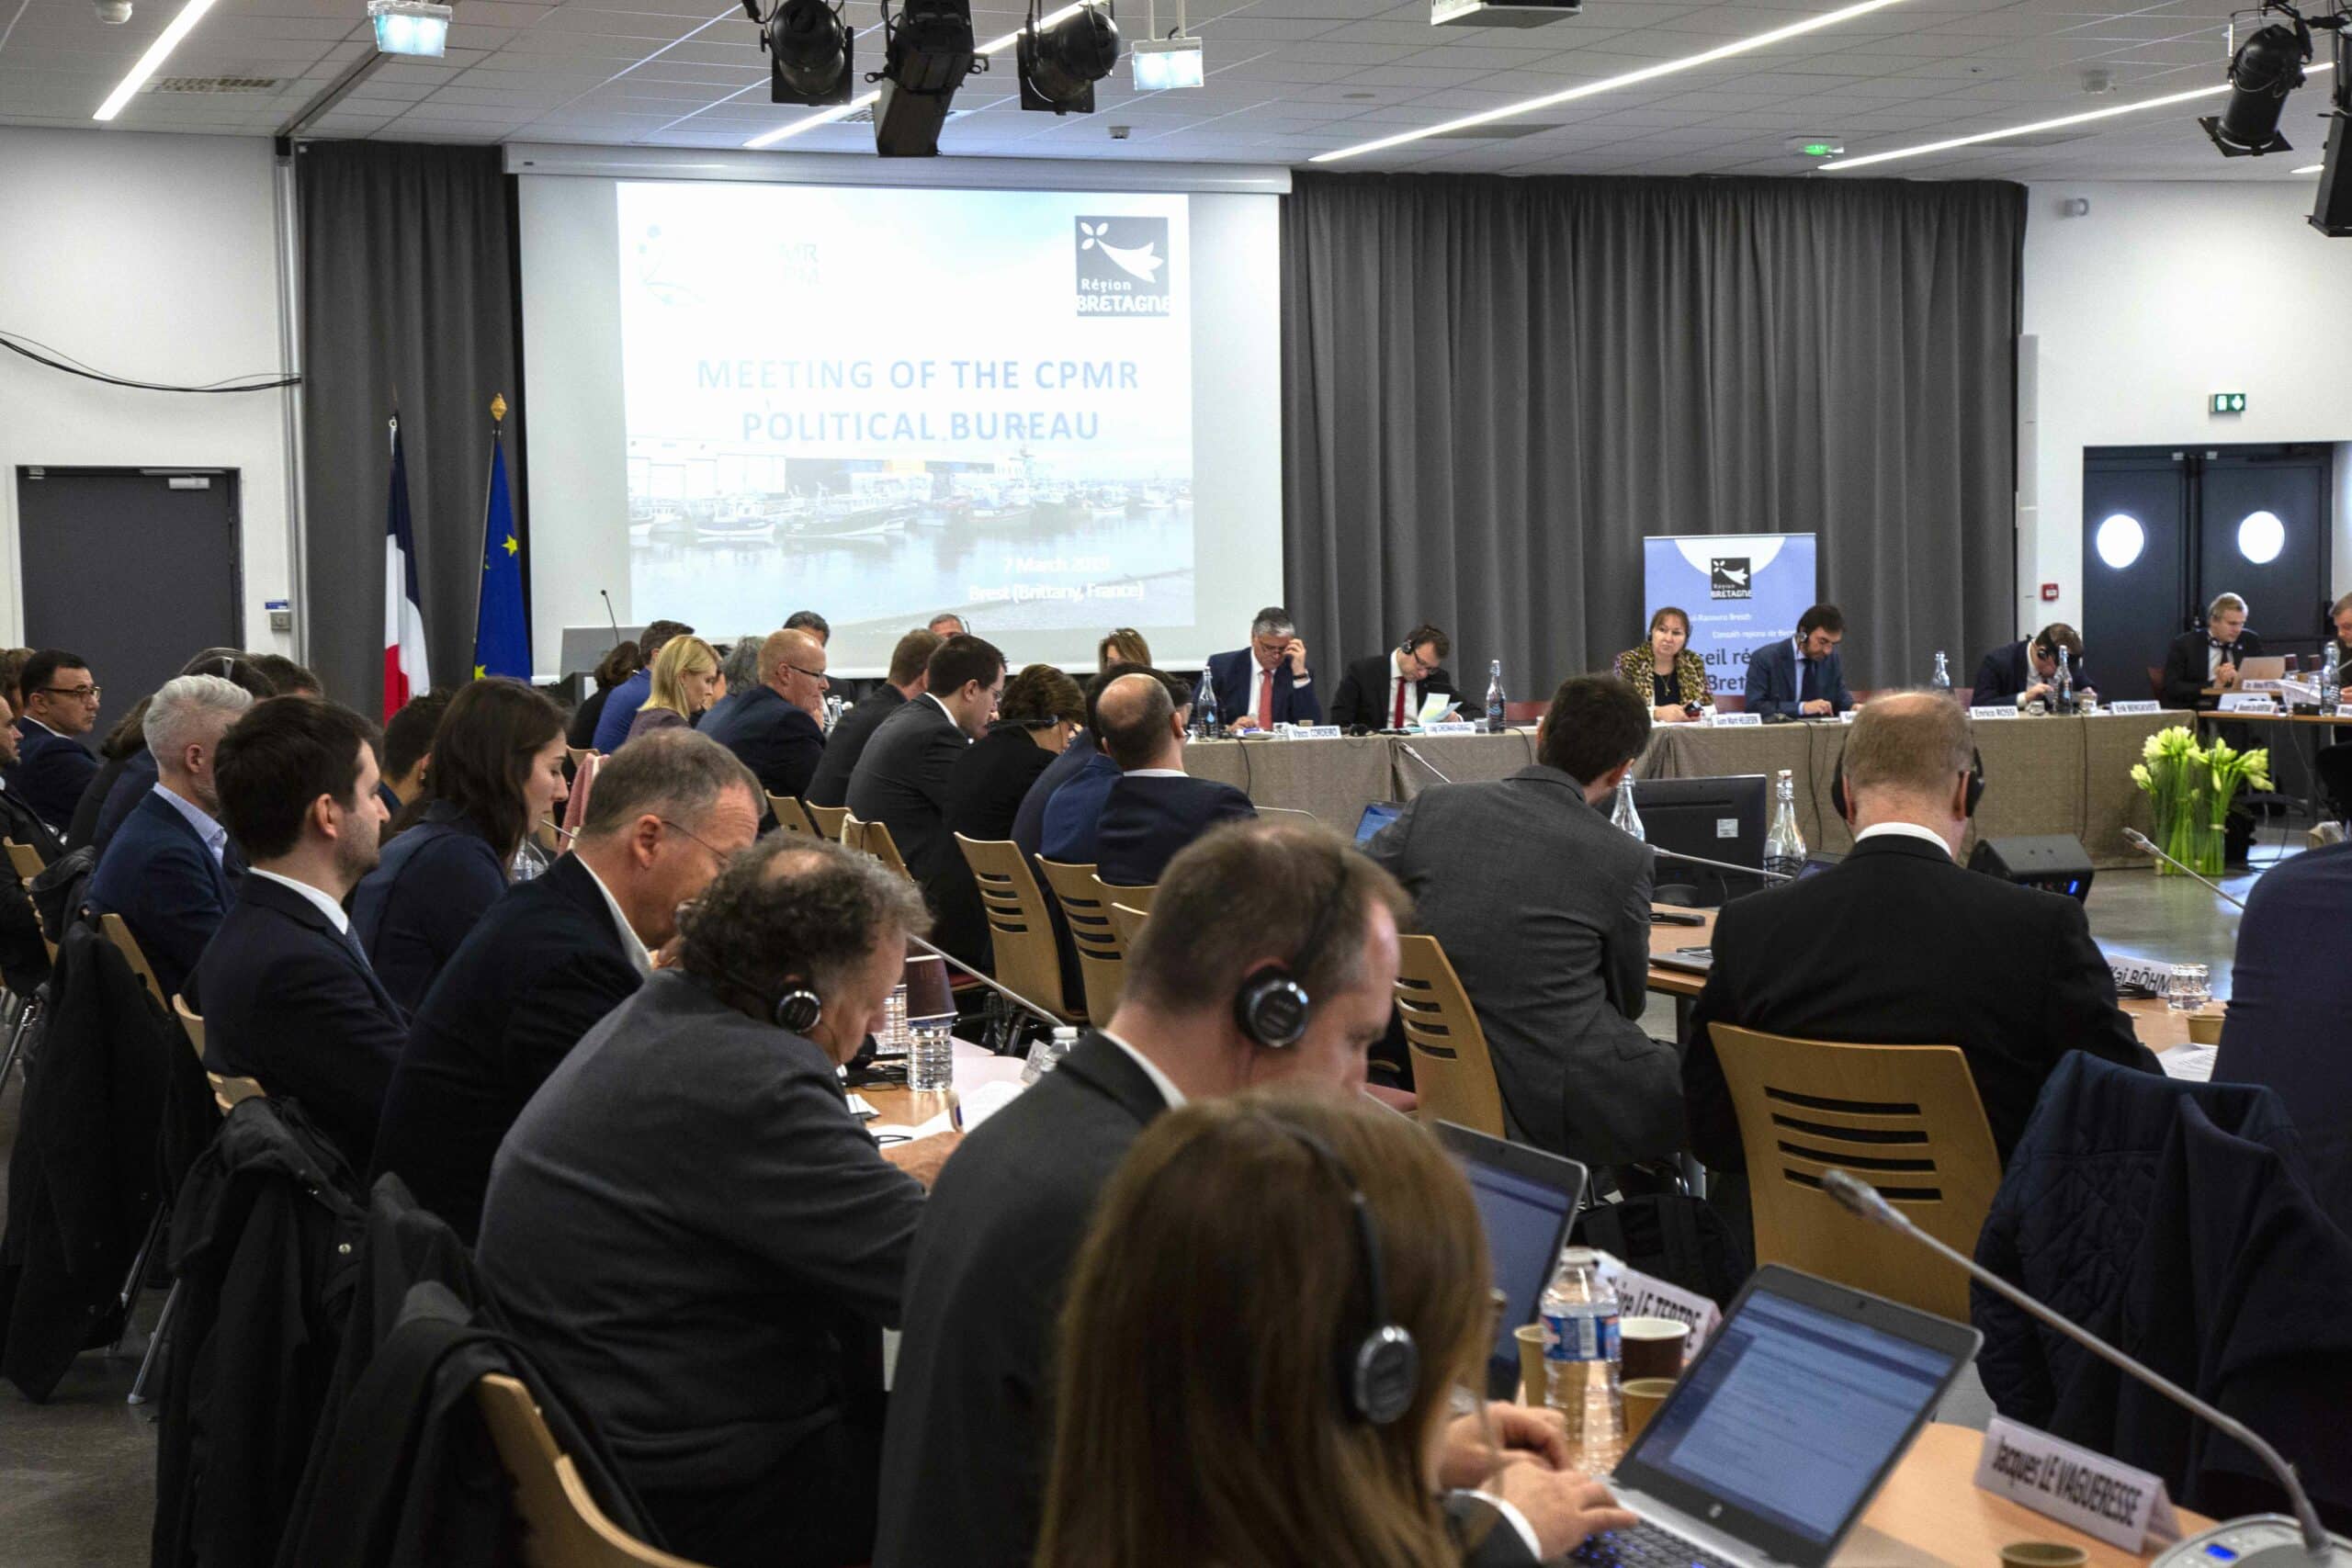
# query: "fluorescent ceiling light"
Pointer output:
{"type": "Point", "coordinates": [410, 27]}
{"type": "Point", "coordinates": [1160, 65]}
{"type": "Point", "coordinates": [867, 100]}
{"type": "Point", "coordinates": [1611, 84]}
{"type": "Point", "coordinates": [157, 52]}
{"type": "Point", "coordinates": [2007, 132]}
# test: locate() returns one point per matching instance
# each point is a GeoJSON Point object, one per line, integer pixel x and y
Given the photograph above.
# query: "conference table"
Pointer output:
{"type": "Point", "coordinates": [2055, 774]}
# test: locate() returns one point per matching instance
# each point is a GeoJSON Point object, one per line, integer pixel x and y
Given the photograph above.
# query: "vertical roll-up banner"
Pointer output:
{"type": "Point", "coordinates": [1741, 591]}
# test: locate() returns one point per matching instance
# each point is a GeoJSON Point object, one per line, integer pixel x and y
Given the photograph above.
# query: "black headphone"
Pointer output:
{"type": "Point", "coordinates": [1272, 1008]}
{"type": "Point", "coordinates": [1975, 783]}
{"type": "Point", "coordinates": [797, 1010]}
{"type": "Point", "coordinates": [1380, 1369]}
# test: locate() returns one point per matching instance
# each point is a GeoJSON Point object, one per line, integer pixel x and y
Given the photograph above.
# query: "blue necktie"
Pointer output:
{"type": "Point", "coordinates": [1808, 691]}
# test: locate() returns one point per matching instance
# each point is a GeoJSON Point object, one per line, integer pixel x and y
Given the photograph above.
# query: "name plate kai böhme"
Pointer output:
{"type": "Point", "coordinates": [2249, 702]}
{"type": "Point", "coordinates": [1452, 726]}
{"type": "Point", "coordinates": [2120, 1506]}
{"type": "Point", "coordinates": [1992, 710]}
{"type": "Point", "coordinates": [1640, 1296]}
{"type": "Point", "coordinates": [2142, 706]}
{"type": "Point", "coordinates": [2142, 973]}
{"type": "Point", "coordinates": [1736, 720]}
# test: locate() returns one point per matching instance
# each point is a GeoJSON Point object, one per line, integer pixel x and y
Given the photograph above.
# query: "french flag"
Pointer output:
{"type": "Point", "coordinates": [404, 671]}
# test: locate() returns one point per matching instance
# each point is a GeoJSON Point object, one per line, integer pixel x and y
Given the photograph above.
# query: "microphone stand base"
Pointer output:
{"type": "Point", "coordinates": [2257, 1541]}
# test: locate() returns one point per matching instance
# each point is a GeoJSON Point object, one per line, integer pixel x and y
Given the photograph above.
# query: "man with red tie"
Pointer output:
{"type": "Point", "coordinates": [1267, 682]}
{"type": "Point", "coordinates": [1387, 691]}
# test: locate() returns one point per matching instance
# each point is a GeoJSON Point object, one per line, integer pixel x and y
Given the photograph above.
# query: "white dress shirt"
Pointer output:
{"type": "Point", "coordinates": [215, 837]}
{"type": "Point", "coordinates": [1160, 1080]}
{"type": "Point", "coordinates": [1412, 690]}
{"type": "Point", "coordinates": [631, 944]}
{"type": "Point", "coordinates": [328, 906]}
{"type": "Point", "coordinates": [1903, 830]}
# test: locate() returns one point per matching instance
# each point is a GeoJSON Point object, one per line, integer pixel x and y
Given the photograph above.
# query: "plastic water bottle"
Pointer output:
{"type": "Point", "coordinates": [893, 1040]}
{"type": "Point", "coordinates": [930, 1054]}
{"type": "Point", "coordinates": [2331, 683]}
{"type": "Point", "coordinates": [2064, 688]}
{"type": "Point", "coordinates": [1496, 700]}
{"type": "Point", "coordinates": [1625, 819]}
{"type": "Point", "coordinates": [1580, 1358]}
{"type": "Point", "coordinates": [1204, 720]}
{"type": "Point", "coordinates": [1941, 680]}
{"type": "Point", "coordinates": [1784, 849]}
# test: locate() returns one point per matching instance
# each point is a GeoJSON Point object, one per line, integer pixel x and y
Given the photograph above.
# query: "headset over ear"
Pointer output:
{"type": "Point", "coordinates": [1380, 1368]}
{"type": "Point", "coordinates": [1975, 783]}
{"type": "Point", "coordinates": [796, 1008]}
{"type": "Point", "coordinates": [1272, 1008]}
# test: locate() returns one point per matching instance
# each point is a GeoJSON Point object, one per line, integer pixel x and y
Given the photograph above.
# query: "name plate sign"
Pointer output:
{"type": "Point", "coordinates": [2141, 973]}
{"type": "Point", "coordinates": [2142, 706]}
{"type": "Point", "coordinates": [2123, 1506]}
{"type": "Point", "coordinates": [1736, 720]}
{"type": "Point", "coordinates": [2249, 702]}
{"type": "Point", "coordinates": [1313, 732]}
{"type": "Point", "coordinates": [1640, 1296]}
{"type": "Point", "coordinates": [1451, 726]}
{"type": "Point", "coordinates": [1992, 710]}
{"type": "Point", "coordinates": [1849, 716]}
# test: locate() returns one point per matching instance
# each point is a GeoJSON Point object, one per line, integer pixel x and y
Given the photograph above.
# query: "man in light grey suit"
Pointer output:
{"type": "Point", "coordinates": [1543, 908]}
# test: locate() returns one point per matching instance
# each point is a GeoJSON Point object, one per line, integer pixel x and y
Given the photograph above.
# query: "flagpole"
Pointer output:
{"type": "Point", "coordinates": [497, 434]}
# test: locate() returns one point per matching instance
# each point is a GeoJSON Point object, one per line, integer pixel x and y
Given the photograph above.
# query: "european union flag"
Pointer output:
{"type": "Point", "coordinates": [502, 641]}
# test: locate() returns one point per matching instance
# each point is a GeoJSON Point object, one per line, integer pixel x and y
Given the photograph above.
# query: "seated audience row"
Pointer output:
{"type": "Point", "coordinates": [909, 678]}
{"type": "Point", "coordinates": [1041, 709]}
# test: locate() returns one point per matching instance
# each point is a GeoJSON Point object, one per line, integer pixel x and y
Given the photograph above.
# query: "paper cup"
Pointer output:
{"type": "Point", "coordinates": [1652, 1347]}
{"type": "Point", "coordinates": [2042, 1554]}
{"type": "Point", "coordinates": [1533, 1379]}
{"type": "Point", "coordinates": [1643, 1397]}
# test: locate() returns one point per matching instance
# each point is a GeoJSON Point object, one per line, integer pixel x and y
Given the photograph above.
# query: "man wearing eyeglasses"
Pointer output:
{"type": "Point", "coordinates": [52, 766]}
{"type": "Point", "coordinates": [775, 729]}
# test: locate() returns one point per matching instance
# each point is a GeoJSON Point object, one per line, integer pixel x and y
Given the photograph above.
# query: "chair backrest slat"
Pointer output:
{"type": "Point", "coordinates": [1028, 959]}
{"type": "Point", "coordinates": [1102, 957]}
{"type": "Point", "coordinates": [1453, 1074]}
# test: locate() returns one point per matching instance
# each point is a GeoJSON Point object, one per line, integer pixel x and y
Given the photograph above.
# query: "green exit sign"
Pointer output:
{"type": "Point", "coordinates": [2228, 402]}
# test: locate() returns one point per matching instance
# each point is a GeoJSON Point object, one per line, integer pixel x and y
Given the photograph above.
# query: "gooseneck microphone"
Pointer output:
{"type": "Point", "coordinates": [1723, 865]}
{"type": "Point", "coordinates": [614, 620]}
{"type": "Point", "coordinates": [1414, 753]}
{"type": "Point", "coordinates": [2146, 846]}
{"type": "Point", "coordinates": [1015, 998]}
{"type": "Point", "coordinates": [2278, 1547]}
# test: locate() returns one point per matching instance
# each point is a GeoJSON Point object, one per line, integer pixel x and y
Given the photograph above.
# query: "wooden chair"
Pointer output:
{"type": "Point", "coordinates": [1101, 956]}
{"type": "Point", "coordinates": [579, 754]}
{"type": "Point", "coordinates": [875, 839]}
{"type": "Point", "coordinates": [128, 945]}
{"type": "Point", "coordinates": [1127, 921]}
{"type": "Point", "coordinates": [1905, 1118]}
{"type": "Point", "coordinates": [829, 821]}
{"type": "Point", "coordinates": [790, 816]}
{"type": "Point", "coordinates": [25, 861]}
{"type": "Point", "coordinates": [226, 1091]}
{"type": "Point", "coordinates": [853, 834]}
{"type": "Point", "coordinates": [1028, 959]}
{"type": "Point", "coordinates": [1453, 1074]}
{"type": "Point", "coordinates": [562, 1526]}
{"type": "Point", "coordinates": [1132, 897]}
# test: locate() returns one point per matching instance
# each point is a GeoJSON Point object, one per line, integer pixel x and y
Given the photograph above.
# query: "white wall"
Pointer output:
{"type": "Point", "coordinates": [150, 257]}
{"type": "Point", "coordinates": [2162, 294]}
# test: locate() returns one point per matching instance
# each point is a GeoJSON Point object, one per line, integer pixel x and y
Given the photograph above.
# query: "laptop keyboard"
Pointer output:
{"type": "Point", "coordinates": [1644, 1545]}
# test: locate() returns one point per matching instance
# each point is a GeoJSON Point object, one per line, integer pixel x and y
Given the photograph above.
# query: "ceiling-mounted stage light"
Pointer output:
{"type": "Point", "coordinates": [410, 27]}
{"type": "Point", "coordinates": [1162, 64]}
{"type": "Point", "coordinates": [926, 53]}
{"type": "Point", "coordinates": [809, 51]}
{"type": "Point", "coordinates": [2267, 67]}
{"type": "Point", "coordinates": [1060, 63]}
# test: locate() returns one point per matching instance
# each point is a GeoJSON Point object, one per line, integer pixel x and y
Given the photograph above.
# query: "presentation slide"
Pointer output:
{"type": "Point", "coordinates": [881, 404]}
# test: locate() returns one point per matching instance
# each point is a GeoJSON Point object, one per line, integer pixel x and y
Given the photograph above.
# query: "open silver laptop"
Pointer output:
{"type": "Point", "coordinates": [1780, 1434]}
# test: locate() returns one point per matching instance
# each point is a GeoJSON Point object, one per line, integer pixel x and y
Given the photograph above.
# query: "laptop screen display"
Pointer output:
{"type": "Point", "coordinates": [1377, 816]}
{"type": "Point", "coordinates": [1794, 1413]}
{"type": "Point", "coordinates": [1526, 1220]}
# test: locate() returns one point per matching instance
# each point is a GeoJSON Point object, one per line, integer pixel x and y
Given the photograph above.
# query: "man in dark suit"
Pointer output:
{"type": "Point", "coordinates": [1385, 691]}
{"type": "Point", "coordinates": [620, 708]}
{"type": "Point", "coordinates": [1543, 908]}
{"type": "Point", "coordinates": [52, 765]}
{"type": "Point", "coordinates": [1897, 944]}
{"type": "Point", "coordinates": [19, 820]}
{"type": "Point", "coordinates": [1267, 682]}
{"type": "Point", "coordinates": [1038, 827]}
{"type": "Point", "coordinates": [1801, 678]}
{"type": "Point", "coordinates": [408, 746]}
{"type": "Point", "coordinates": [24, 954]}
{"type": "Point", "coordinates": [555, 955]}
{"type": "Point", "coordinates": [2216, 656]}
{"type": "Point", "coordinates": [903, 781]}
{"type": "Point", "coordinates": [287, 995]}
{"type": "Point", "coordinates": [1153, 808]}
{"type": "Point", "coordinates": [2021, 670]}
{"type": "Point", "coordinates": [167, 871]}
{"type": "Point", "coordinates": [909, 678]}
{"type": "Point", "coordinates": [773, 729]}
{"type": "Point", "coordinates": [704, 1244]}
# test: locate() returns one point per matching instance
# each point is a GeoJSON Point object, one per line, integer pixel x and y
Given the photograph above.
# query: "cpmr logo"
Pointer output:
{"type": "Point", "coordinates": [1729, 577]}
{"type": "Point", "coordinates": [1124, 268]}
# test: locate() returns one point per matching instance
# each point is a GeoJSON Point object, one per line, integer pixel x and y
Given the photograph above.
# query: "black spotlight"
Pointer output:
{"type": "Point", "coordinates": [808, 50]}
{"type": "Point", "coordinates": [926, 53]}
{"type": "Point", "coordinates": [2267, 67]}
{"type": "Point", "coordinates": [1060, 65]}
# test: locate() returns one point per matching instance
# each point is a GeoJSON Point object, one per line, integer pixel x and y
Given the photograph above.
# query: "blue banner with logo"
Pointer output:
{"type": "Point", "coordinates": [1741, 591]}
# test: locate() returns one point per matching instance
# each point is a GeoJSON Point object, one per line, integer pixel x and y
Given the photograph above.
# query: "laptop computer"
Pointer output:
{"type": "Point", "coordinates": [1780, 1434]}
{"type": "Point", "coordinates": [1377, 816]}
{"type": "Point", "coordinates": [2264, 667]}
{"type": "Point", "coordinates": [1527, 1199]}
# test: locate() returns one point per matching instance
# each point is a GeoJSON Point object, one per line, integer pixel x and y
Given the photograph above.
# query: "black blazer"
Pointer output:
{"type": "Point", "coordinates": [1776, 680]}
{"type": "Point", "coordinates": [1235, 678]}
{"type": "Point", "coordinates": [991, 779]}
{"type": "Point", "coordinates": [158, 875]}
{"type": "Point", "coordinates": [964, 1453]}
{"type": "Point", "coordinates": [2185, 678]}
{"type": "Point", "coordinates": [2008, 670]}
{"type": "Point", "coordinates": [581, 733]}
{"type": "Point", "coordinates": [1364, 697]}
{"type": "Point", "coordinates": [1029, 822]}
{"type": "Point", "coordinates": [534, 976]}
{"type": "Point", "coordinates": [1145, 822]}
{"type": "Point", "coordinates": [903, 780]}
{"type": "Point", "coordinates": [435, 883]}
{"type": "Point", "coordinates": [846, 744]}
{"type": "Point", "coordinates": [776, 740]}
{"type": "Point", "coordinates": [291, 1001]}
{"type": "Point", "coordinates": [1898, 945]}
{"type": "Point", "coordinates": [51, 772]}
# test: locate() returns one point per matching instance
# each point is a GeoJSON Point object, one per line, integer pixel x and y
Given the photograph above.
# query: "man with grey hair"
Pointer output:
{"type": "Point", "coordinates": [690, 1228]}
{"type": "Point", "coordinates": [777, 727]}
{"type": "Point", "coordinates": [168, 870]}
{"type": "Point", "coordinates": [739, 671]}
{"type": "Point", "coordinates": [555, 954]}
{"type": "Point", "coordinates": [1898, 945]}
{"type": "Point", "coordinates": [1267, 682]}
{"type": "Point", "coordinates": [947, 623]}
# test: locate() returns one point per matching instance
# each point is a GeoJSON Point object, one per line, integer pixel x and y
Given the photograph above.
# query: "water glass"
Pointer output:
{"type": "Point", "coordinates": [892, 1040]}
{"type": "Point", "coordinates": [2188, 987]}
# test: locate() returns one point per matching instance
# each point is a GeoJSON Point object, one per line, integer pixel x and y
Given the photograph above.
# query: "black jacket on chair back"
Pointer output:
{"type": "Point", "coordinates": [904, 782]}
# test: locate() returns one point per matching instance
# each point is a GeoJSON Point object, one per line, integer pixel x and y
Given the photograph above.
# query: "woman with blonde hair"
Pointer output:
{"type": "Point", "coordinates": [1671, 680]}
{"type": "Point", "coordinates": [686, 682]}
{"type": "Point", "coordinates": [1258, 1361]}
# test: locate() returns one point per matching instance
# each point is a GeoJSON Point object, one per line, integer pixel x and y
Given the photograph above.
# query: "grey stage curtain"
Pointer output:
{"type": "Point", "coordinates": [408, 290]}
{"type": "Point", "coordinates": [1494, 388]}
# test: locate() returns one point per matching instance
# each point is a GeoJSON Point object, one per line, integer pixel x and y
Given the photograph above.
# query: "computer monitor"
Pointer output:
{"type": "Point", "coordinates": [1527, 1199]}
{"type": "Point", "coordinates": [1377, 816]}
{"type": "Point", "coordinates": [1714, 818]}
